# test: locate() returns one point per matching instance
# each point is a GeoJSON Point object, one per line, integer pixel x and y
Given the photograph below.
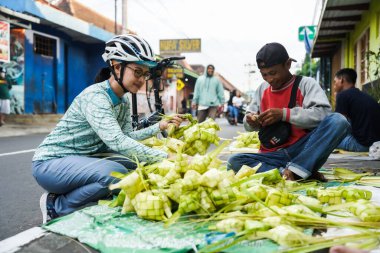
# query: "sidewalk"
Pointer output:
{"type": "Point", "coordinates": [17, 125]}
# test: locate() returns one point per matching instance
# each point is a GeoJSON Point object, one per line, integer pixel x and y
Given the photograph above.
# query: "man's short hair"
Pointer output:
{"type": "Point", "coordinates": [348, 74]}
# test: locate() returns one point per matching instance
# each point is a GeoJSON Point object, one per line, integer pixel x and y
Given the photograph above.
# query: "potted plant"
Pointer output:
{"type": "Point", "coordinates": [373, 72]}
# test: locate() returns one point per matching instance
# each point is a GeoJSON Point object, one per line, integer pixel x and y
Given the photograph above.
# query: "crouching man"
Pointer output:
{"type": "Point", "coordinates": [298, 131]}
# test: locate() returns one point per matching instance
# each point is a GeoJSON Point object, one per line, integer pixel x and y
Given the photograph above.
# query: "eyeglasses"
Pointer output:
{"type": "Point", "coordinates": [139, 73]}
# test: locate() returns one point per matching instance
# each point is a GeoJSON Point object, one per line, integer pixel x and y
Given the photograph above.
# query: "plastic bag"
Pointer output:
{"type": "Point", "coordinates": [374, 150]}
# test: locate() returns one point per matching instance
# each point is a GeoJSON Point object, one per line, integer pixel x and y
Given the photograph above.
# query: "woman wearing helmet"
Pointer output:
{"type": "Point", "coordinates": [97, 121]}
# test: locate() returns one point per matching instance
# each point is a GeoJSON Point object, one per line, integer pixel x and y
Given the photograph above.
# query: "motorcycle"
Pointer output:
{"type": "Point", "coordinates": [156, 115]}
{"type": "Point", "coordinates": [241, 113]}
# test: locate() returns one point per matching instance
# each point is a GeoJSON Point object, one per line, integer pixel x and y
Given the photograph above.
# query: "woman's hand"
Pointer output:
{"type": "Point", "coordinates": [176, 120]}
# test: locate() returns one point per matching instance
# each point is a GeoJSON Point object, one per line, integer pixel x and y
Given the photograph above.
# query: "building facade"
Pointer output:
{"type": "Point", "coordinates": [49, 55]}
{"type": "Point", "coordinates": [348, 36]}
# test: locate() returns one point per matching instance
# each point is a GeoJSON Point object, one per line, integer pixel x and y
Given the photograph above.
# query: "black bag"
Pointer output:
{"type": "Point", "coordinates": [278, 133]}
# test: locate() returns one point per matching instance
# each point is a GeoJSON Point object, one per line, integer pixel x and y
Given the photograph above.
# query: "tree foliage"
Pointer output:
{"type": "Point", "coordinates": [305, 69]}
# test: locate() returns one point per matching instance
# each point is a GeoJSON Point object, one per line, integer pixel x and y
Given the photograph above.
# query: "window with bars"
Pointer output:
{"type": "Point", "coordinates": [360, 57]}
{"type": "Point", "coordinates": [44, 45]}
{"type": "Point", "coordinates": [378, 24]}
{"type": "Point", "coordinates": [356, 56]}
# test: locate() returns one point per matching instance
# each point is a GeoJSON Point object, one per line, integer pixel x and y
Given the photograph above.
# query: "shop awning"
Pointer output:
{"type": "Point", "coordinates": [338, 18]}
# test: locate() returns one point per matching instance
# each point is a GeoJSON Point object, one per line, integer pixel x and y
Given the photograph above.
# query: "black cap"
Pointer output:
{"type": "Point", "coordinates": [272, 54]}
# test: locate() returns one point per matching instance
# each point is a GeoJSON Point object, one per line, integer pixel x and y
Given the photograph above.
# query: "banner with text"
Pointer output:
{"type": "Point", "coordinates": [178, 46]}
{"type": "Point", "coordinates": [4, 41]}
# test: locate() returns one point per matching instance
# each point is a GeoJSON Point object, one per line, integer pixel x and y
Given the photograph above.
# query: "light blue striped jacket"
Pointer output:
{"type": "Point", "coordinates": [98, 121]}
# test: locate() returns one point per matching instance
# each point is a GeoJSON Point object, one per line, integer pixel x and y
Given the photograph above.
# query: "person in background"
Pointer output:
{"type": "Point", "coordinates": [237, 102]}
{"type": "Point", "coordinates": [66, 164]}
{"type": "Point", "coordinates": [230, 105]}
{"type": "Point", "coordinates": [362, 111]}
{"type": "Point", "coordinates": [184, 105]}
{"type": "Point", "coordinates": [314, 130]}
{"type": "Point", "coordinates": [5, 97]}
{"type": "Point", "coordinates": [208, 95]}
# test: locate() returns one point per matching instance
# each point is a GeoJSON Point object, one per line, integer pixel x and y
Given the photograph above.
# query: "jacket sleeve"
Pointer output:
{"type": "Point", "coordinates": [254, 107]}
{"type": "Point", "coordinates": [341, 105]}
{"type": "Point", "coordinates": [196, 91]}
{"type": "Point", "coordinates": [126, 125]}
{"type": "Point", "coordinates": [315, 106]}
{"type": "Point", "coordinates": [102, 117]}
{"type": "Point", "coordinates": [220, 93]}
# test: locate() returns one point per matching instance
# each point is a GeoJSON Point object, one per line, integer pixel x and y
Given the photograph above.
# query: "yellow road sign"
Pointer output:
{"type": "Point", "coordinates": [180, 84]}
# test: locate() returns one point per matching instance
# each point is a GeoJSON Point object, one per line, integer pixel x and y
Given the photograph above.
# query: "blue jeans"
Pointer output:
{"type": "Point", "coordinates": [78, 180]}
{"type": "Point", "coordinates": [233, 111]}
{"type": "Point", "coordinates": [349, 143]}
{"type": "Point", "coordinates": [305, 156]}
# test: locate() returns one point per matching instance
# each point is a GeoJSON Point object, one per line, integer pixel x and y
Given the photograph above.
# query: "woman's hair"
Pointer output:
{"type": "Point", "coordinates": [232, 94]}
{"type": "Point", "coordinates": [102, 75]}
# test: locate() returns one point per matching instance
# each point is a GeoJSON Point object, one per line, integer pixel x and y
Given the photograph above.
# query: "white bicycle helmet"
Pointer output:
{"type": "Point", "coordinates": [129, 48]}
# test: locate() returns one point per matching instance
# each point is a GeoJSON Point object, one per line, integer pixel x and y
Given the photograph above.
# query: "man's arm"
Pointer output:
{"type": "Point", "coordinates": [341, 104]}
{"type": "Point", "coordinates": [196, 93]}
{"type": "Point", "coordinates": [314, 109]}
{"type": "Point", "coordinates": [220, 93]}
{"type": "Point", "coordinates": [251, 122]}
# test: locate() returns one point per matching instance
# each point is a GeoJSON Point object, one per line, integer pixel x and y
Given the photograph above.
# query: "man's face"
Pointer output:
{"type": "Point", "coordinates": [276, 75]}
{"type": "Point", "coordinates": [338, 84]}
{"type": "Point", "coordinates": [210, 71]}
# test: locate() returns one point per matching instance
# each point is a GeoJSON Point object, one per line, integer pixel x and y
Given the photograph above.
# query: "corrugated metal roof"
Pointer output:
{"type": "Point", "coordinates": [338, 18]}
{"type": "Point", "coordinates": [79, 29]}
{"type": "Point", "coordinates": [190, 73]}
{"type": "Point", "coordinates": [345, 2]}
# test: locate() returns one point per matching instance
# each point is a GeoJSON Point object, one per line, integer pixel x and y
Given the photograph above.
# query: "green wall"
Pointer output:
{"type": "Point", "coordinates": [370, 19]}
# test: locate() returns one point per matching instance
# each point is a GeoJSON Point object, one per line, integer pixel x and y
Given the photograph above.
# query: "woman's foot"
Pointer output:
{"type": "Point", "coordinates": [47, 207]}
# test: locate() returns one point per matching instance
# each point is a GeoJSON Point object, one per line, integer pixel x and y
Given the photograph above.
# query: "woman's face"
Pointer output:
{"type": "Point", "coordinates": [135, 76]}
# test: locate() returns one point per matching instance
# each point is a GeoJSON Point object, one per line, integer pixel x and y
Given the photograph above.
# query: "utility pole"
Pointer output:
{"type": "Point", "coordinates": [115, 16]}
{"type": "Point", "coordinates": [124, 17]}
{"type": "Point", "coordinates": [250, 67]}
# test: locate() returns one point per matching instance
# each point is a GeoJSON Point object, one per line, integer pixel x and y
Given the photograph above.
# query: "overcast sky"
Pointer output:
{"type": "Point", "coordinates": [232, 31]}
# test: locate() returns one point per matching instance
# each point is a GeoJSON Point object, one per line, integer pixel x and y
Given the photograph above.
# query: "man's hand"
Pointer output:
{"type": "Point", "coordinates": [194, 106]}
{"type": "Point", "coordinates": [252, 119]}
{"type": "Point", "coordinates": [270, 116]}
{"type": "Point", "coordinates": [176, 120]}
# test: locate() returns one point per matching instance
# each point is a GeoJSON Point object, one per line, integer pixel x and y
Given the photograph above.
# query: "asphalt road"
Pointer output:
{"type": "Point", "coordinates": [20, 194]}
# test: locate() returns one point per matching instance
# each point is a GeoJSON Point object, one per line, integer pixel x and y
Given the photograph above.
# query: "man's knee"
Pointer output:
{"type": "Point", "coordinates": [234, 163]}
{"type": "Point", "coordinates": [338, 122]}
